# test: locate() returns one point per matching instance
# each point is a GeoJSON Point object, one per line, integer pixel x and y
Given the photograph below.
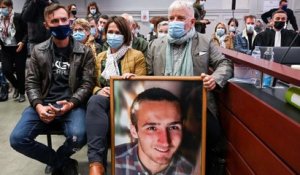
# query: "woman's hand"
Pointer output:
{"type": "Point", "coordinates": [128, 75]}
{"type": "Point", "coordinates": [104, 92]}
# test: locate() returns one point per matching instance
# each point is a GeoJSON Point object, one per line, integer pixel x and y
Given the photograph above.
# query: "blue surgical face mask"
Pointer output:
{"type": "Point", "coordinates": [176, 29]}
{"type": "Point", "coordinates": [151, 27]}
{"type": "Point", "coordinates": [250, 28]}
{"type": "Point", "coordinates": [61, 32]}
{"type": "Point", "coordinates": [79, 36]}
{"type": "Point", "coordinates": [4, 11]}
{"type": "Point", "coordinates": [114, 40]}
{"type": "Point", "coordinates": [93, 31]}
{"type": "Point", "coordinates": [220, 32]}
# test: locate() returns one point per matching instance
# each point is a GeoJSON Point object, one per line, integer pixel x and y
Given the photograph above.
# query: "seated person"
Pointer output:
{"type": "Point", "coordinates": [136, 43]}
{"type": "Point", "coordinates": [220, 37]}
{"type": "Point", "coordinates": [82, 33]}
{"type": "Point", "coordinates": [58, 84]}
{"type": "Point", "coordinates": [186, 52]}
{"type": "Point", "coordinates": [157, 125]}
{"type": "Point", "coordinates": [162, 29]}
{"type": "Point", "coordinates": [101, 24]}
{"type": "Point", "coordinates": [119, 59]}
{"type": "Point", "coordinates": [243, 42]}
{"type": "Point", "coordinates": [278, 36]}
{"type": "Point", "coordinates": [233, 25]}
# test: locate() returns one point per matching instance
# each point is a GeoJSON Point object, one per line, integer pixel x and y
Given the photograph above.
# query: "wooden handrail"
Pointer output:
{"type": "Point", "coordinates": [280, 71]}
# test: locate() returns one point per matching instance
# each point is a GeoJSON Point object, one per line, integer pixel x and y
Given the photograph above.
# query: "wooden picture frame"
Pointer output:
{"type": "Point", "coordinates": [191, 94]}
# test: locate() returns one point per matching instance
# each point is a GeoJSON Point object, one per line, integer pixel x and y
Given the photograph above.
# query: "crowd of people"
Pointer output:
{"type": "Point", "coordinates": [72, 59]}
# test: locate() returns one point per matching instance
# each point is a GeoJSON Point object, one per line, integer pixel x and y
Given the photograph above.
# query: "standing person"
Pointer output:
{"type": "Point", "coordinates": [72, 10]}
{"type": "Point", "coordinates": [200, 24]}
{"type": "Point", "coordinates": [93, 11]}
{"type": "Point", "coordinates": [13, 35]}
{"type": "Point", "coordinates": [243, 42]}
{"type": "Point", "coordinates": [221, 38]}
{"type": "Point", "coordinates": [119, 59]}
{"type": "Point", "coordinates": [186, 52]}
{"type": "Point", "coordinates": [283, 4]}
{"type": "Point", "coordinates": [58, 84]}
{"type": "Point", "coordinates": [33, 14]}
{"type": "Point", "coordinates": [157, 126]}
{"type": "Point", "coordinates": [278, 36]}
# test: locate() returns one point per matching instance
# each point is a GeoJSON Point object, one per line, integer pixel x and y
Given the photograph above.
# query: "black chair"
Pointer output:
{"type": "Point", "coordinates": [54, 129]}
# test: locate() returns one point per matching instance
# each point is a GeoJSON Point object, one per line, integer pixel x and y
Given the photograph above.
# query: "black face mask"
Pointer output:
{"type": "Point", "coordinates": [74, 12]}
{"type": "Point", "coordinates": [279, 25]}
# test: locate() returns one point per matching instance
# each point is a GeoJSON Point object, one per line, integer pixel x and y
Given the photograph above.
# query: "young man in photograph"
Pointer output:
{"type": "Point", "coordinates": [157, 125]}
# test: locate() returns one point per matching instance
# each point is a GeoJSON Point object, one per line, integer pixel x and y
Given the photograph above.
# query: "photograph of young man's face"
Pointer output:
{"type": "Point", "coordinates": [159, 132]}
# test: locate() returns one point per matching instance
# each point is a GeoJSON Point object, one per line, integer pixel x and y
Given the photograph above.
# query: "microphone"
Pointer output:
{"type": "Point", "coordinates": [233, 4]}
{"type": "Point", "coordinates": [233, 7]}
{"type": "Point", "coordinates": [285, 54]}
{"type": "Point", "coordinates": [290, 46]}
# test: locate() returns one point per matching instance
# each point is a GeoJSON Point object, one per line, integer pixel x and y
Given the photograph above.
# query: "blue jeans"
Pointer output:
{"type": "Point", "coordinates": [22, 139]}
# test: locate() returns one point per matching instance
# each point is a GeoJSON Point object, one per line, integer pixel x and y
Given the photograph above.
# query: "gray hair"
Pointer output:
{"type": "Point", "coordinates": [182, 4]}
{"type": "Point", "coordinates": [128, 18]}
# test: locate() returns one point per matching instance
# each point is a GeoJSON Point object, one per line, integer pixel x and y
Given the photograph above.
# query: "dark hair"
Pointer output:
{"type": "Point", "coordinates": [70, 7]}
{"type": "Point", "coordinates": [92, 4]}
{"type": "Point", "coordinates": [249, 16]}
{"type": "Point", "coordinates": [156, 20]}
{"type": "Point", "coordinates": [279, 11]}
{"type": "Point", "coordinates": [104, 17]}
{"type": "Point", "coordinates": [53, 7]}
{"type": "Point", "coordinates": [152, 94]}
{"type": "Point", "coordinates": [281, 1]}
{"type": "Point", "coordinates": [8, 3]}
{"type": "Point", "coordinates": [233, 20]}
{"type": "Point", "coordinates": [122, 26]}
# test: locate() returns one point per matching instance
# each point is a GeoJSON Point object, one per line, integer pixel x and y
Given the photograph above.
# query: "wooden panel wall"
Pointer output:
{"type": "Point", "coordinates": [261, 140]}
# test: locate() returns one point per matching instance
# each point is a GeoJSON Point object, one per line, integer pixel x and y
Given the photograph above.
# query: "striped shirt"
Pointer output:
{"type": "Point", "coordinates": [128, 163]}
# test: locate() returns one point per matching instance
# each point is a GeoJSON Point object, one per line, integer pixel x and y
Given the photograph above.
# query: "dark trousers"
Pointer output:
{"type": "Point", "coordinates": [97, 125]}
{"type": "Point", "coordinates": [13, 61]}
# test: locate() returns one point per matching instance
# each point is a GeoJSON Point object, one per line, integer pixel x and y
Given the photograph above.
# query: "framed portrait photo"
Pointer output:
{"type": "Point", "coordinates": [158, 125]}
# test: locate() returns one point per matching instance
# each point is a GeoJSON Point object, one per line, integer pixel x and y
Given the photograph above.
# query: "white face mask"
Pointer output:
{"type": "Point", "coordinates": [100, 28]}
{"type": "Point", "coordinates": [202, 3]}
{"type": "Point", "coordinates": [231, 29]}
{"type": "Point", "coordinates": [161, 34]}
{"type": "Point", "coordinates": [93, 11]}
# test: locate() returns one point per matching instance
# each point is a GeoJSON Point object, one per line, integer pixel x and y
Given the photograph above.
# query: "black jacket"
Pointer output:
{"type": "Point", "coordinates": [290, 17]}
{"type": "Point", "coordinates": [39, 76]}
{"type": "Point", "coordinates": [21, 29]}
{"type": "Point", "coordinates": [33, 14]}
{"type": "Point", "coordinates": [267, 38]}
